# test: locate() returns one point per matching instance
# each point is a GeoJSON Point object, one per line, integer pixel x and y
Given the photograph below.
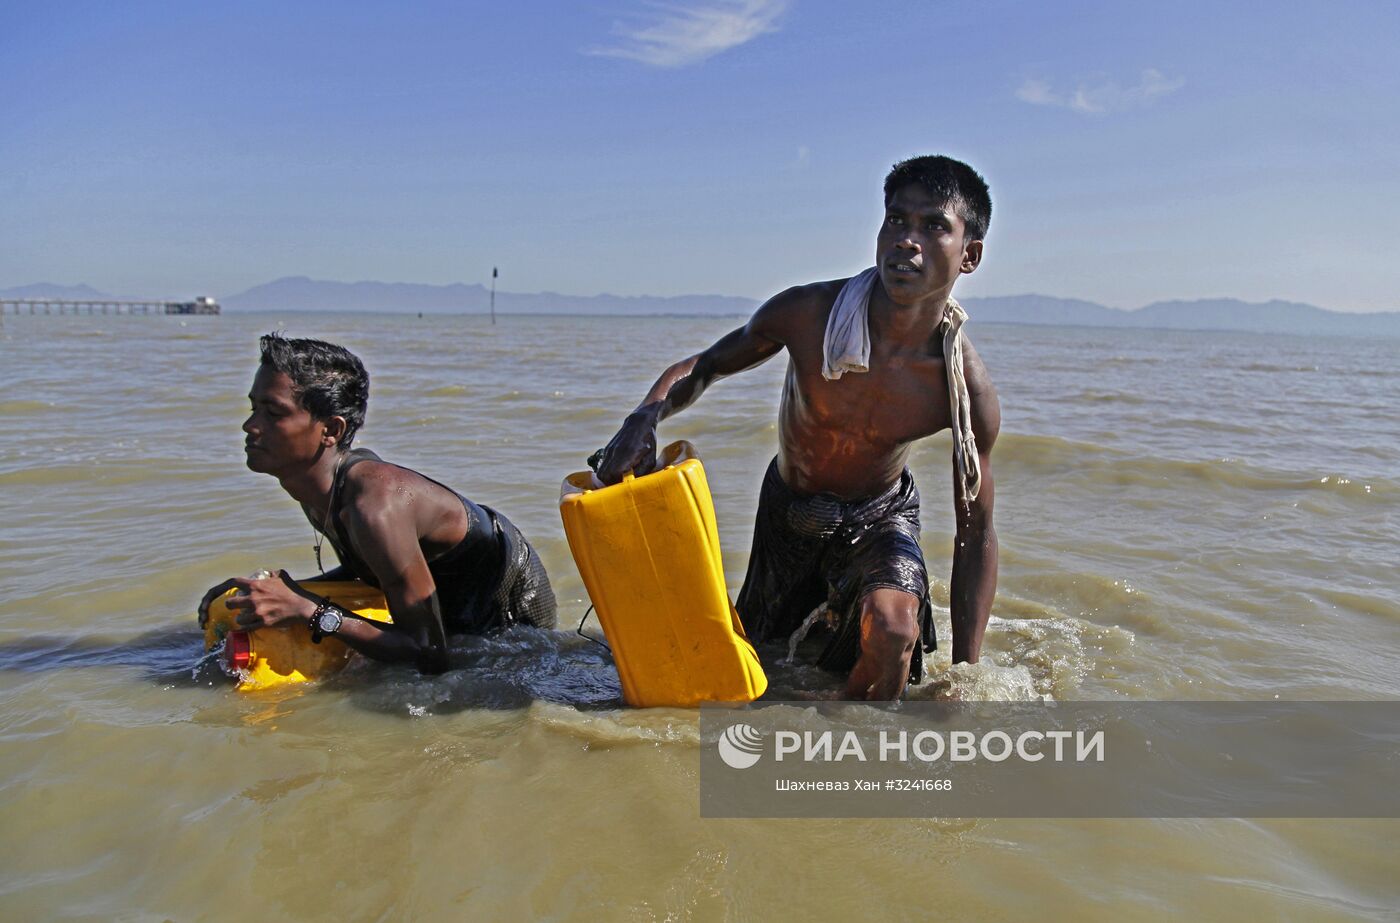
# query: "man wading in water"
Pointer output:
{"type": "Point", "coordinates": [838, 514]}
{"type": "Point", "coordinates": [445, 564]}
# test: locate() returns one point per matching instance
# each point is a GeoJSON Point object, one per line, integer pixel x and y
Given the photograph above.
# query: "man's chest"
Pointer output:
{"type": "Point", "coordinates": [897, 401]}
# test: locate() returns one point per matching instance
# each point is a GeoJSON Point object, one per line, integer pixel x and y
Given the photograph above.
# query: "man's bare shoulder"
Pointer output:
{"type": "Point", "coordinates": [974, 369]}
{"type": "Point", "coordinates": [796, 308]}
{"type": "Point", "coordinates": [986, 407]}
{"type": "Point", "coordinates": [374, 489]}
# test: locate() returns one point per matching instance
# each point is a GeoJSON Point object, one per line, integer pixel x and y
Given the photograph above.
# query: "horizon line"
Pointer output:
{"type": "Point", "coordinates": [756, 301]}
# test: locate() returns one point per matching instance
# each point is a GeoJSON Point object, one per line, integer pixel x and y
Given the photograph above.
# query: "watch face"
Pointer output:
{"type": "Point", "coordinates": [330, 620]}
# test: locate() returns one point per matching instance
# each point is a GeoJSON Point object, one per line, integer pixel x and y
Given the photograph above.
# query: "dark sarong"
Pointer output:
{"type": "Point", "coordinates": [813, 549]}
{"type": "Point", "coordinates": [523, 593]}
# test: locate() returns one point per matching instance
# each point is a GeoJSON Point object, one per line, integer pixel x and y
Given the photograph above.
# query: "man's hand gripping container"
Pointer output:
{"type": "Point", "coordinates": [648, 551]}
{"type": "Point", "coordinates": [268, 657]}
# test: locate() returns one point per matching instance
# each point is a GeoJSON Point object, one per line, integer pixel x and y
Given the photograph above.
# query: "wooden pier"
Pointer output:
{"type": "Point", "coordinates": [107, 306]}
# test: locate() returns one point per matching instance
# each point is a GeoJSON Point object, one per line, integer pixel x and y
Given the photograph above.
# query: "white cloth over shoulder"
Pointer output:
{"type": "Point", "coordinates": [847, 344]}
{"type": "Point", "coordinates": [846, 348]}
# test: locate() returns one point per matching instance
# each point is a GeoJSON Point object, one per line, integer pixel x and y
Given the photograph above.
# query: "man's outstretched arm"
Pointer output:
{"type": "Point", "coordinates": [974, 581]}
{"type": "Point", "coordinates": [634, 446]}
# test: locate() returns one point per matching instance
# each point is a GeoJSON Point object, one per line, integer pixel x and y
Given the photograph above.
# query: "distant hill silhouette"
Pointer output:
{"type": "Point", "coordinates": [1276, 316]}
{"type": "Point", "coordinates": [302, 294]}
{"type": "Point", "coordinates": [57, 292]}
{"type": "Point", "coordinates": [1206, 314]}
{"type": "Point", "coordinates": [298, 293]}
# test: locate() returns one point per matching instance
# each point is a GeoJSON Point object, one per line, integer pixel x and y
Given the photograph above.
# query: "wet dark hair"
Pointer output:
{"type": "Point", "coordinates": [951, 181]}
{"type": "Point", "coordinates": [328, 380]}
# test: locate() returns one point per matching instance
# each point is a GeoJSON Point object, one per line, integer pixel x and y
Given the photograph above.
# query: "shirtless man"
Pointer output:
{"type": "Point", "coordinates": [838, 517]}
{"type": "Point", "coordinates": [445, 564]}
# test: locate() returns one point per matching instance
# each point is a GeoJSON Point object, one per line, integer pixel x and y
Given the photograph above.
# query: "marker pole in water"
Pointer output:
{"type": "Point", "coordinates": [494, 273]}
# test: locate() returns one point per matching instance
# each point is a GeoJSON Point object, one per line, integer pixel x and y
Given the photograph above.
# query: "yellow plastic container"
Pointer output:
{"type": "Point", "coordinates": [648, 551]}
{"type": "Point", "coordinates": [268, 657]}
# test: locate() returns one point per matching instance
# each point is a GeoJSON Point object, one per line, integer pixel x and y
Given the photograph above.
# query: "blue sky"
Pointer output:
{"type": "Point", "coordinates": [1185, 150]}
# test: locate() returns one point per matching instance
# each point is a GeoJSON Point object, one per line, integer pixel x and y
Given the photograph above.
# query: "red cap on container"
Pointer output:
{"type": "Point", "coordinates": [238, 650]}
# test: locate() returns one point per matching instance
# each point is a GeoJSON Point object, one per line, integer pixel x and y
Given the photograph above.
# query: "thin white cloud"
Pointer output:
{"type": "Point", "coordinates": [1101, 97]}
{"type": "Point", "coordinates": [672, 35]}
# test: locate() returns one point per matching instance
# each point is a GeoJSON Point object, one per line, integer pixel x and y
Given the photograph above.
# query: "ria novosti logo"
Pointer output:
{"type": "Point", "coordinates": [740, 746]}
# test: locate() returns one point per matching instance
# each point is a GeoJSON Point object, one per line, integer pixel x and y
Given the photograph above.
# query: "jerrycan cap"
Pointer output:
{"type": "Point", "coordinates": [238, 650]}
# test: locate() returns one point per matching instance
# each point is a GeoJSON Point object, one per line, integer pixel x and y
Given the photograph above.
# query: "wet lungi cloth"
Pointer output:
{"type": "Point", "coordinates": [815, 549]}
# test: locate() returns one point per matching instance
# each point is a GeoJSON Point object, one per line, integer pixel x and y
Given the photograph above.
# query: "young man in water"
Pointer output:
{"type": "Point", "coordinates": [875, 363]}
{"type": "Point", "coordinates": [446, 565]}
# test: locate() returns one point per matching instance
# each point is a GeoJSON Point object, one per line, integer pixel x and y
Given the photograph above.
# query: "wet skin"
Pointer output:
{"type": "Point", "coordinates": [395, 519]}
{"type": "Point", "coordinates": [852, 437]}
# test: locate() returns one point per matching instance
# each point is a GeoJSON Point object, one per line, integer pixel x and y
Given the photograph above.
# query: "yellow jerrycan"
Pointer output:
{"type": "Point", "coordinates": [648, 551]}
{"type": "Point", "coordinates": [267, 657]}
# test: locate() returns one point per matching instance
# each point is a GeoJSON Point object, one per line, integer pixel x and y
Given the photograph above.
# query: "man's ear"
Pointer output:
{"type": "Point", "coordinates": [333, 431]}
{"type": "Point", "coordinates": [972, 256]}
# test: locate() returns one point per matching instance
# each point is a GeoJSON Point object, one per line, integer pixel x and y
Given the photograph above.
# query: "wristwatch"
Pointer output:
{"type": "Point", "coordinates": [326, 620]}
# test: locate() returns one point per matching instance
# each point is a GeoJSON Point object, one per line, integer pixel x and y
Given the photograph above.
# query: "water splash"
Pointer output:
{"type": "Point", "coordinates": [215, 655]}
{"type": "Point", "coordinates": [982, 682]}
{"type": "Point", "coordinates": [820, 614]}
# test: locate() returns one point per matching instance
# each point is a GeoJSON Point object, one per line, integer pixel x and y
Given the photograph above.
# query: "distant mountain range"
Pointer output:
{"type": "Point", "coordinates": [298, 293]}
{"type": "Point", "coordinates": [301, 293]}
{"type": "Point", "coordinates": [60, 292]}
{"type": "Point", "coordinates": [1206, 314]}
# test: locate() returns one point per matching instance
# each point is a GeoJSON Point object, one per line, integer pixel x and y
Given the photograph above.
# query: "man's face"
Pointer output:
{"type": "Point", "coordinates": [281, 434]}
{"type": "Point", "coordinates": [920, 249]}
